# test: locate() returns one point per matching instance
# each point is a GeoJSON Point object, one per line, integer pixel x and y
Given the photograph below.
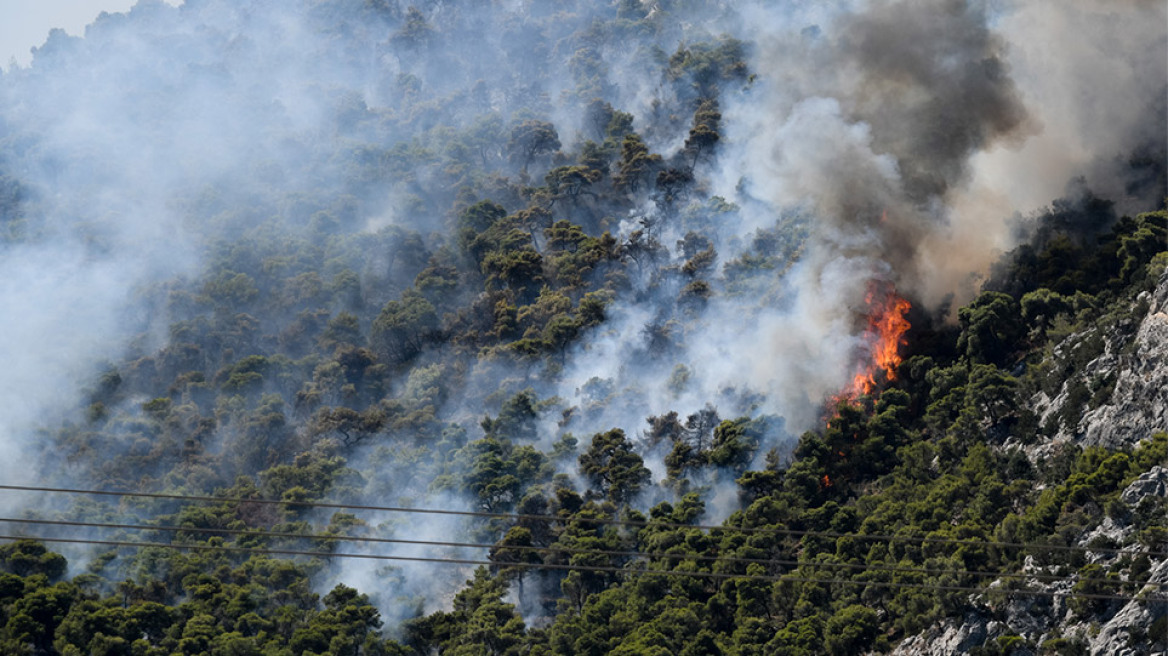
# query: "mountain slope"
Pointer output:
{"type": "Point", "coordinates": [691, 321]}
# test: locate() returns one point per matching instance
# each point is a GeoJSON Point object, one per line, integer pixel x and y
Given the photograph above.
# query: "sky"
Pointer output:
{"type": "Point", "coordinates": [25, 24]}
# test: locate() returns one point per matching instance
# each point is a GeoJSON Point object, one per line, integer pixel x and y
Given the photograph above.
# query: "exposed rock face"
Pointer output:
{"type": "Point", "coordinates": [1154, 482]}
{"type": "Point", "coordinates": [1139, 405]}
{"type": "Point", "coordinates": [1118, 631]}
{"type": "Point", "coordinates": [1136, 409]}
{"type": "Point", "coordinates": [947, 638]}
{"type": "Point", "coordinates": [1125, 633]}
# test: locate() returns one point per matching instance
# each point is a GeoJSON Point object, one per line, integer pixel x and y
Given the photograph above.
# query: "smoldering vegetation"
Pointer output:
{"type": "Point", "coordinates": [511, 256]}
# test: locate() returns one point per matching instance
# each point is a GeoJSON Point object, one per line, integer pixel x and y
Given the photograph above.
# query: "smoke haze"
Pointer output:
{"type": "Point", "coordinates": [892, 141]}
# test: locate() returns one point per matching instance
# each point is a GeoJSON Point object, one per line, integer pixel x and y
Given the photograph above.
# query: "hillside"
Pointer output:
{"type": "Point", "coordinates": [700, 328]}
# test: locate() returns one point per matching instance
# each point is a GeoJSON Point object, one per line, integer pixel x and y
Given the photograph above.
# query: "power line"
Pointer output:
{"type": "Point", "coordinates": [589, 568]}
{"type": "Point", "coordinates": [550, 550]}
{"type": "Point", "coordinates": [602, 521]}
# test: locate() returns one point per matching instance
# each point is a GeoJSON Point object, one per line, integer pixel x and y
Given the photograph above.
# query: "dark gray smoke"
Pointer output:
{"type": "Point", "coordinates": [932, 81]}
{"type": "Point", "coordinates": [916, 129]}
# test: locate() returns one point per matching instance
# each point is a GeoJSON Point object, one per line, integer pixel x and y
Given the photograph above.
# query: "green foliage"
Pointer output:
{"type": "Point", "coordinates": [1137, 248]}
{"type": "Point", "coordinates": [231, 289]}
{"type": "Point", "coordinates": [532, 138]}
{"type": "Point", "coordinates": [404, 327]}
{"type": "Point", "coordinates": [571, 181]}
{"type": "Point", "coordinates": [612, 466]}
{"type": "Point", "coordinates": [479, 622]}
{"type": "Point", "coordinates": [476, 219]}
{"type": "Point", "coordinates": [497, 473]}
{"type": "Point", "coordinates": [352, 426]}
{"type": "Point", "coordinates": [704, 134]}
{"type": "Point", "coordinates": [701, 68]}
{"type": "Point", "coordinates": [637, 166]}
{"type": "Point", "coordinates": [28, 557]}
{"type": "Point", "coordinates": [517, 418]}
{"type": "Point", "coordinates": [991, 328]}
{"type": "Point", "coordinates": [1041, 306]}
{"type": "Point", "coordinates": [851, 630]}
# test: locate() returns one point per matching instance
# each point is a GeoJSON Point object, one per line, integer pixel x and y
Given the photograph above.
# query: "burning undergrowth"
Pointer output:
{"type": "Point", "coordinates": [883, 340]}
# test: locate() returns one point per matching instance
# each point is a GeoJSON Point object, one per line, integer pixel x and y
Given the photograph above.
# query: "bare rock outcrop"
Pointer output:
{"type": "Point", "coordinates": [1153, 482]}
{"type": "Point", "coordinates": [948, 637]}
{"type": "Point", "coordinates": [1138, 406]}
{"type": "Point", "coordinates": [1126, 633]}
{"type": "Point", "coordinates": [1122, 629]}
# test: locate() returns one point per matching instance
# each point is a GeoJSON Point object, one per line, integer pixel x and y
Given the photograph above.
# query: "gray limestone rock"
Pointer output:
{"type": "Point", "coordinates": [946, 638]}
{"type": "Point", "coordinates": [1125, 634]}
{"type": "Point", "coordinates": [1153, 482]}
{"type": "Point", "coordinates": [1139, 405]}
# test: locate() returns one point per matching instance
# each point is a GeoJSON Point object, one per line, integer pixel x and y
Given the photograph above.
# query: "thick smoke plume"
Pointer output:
{"type": "Point", "coordinates": [918, 131]}
{"type": "Point", "coordinates": [929, 124]}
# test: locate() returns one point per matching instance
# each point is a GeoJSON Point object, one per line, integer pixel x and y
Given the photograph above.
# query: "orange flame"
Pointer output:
{"type": "Point", "coordinates": [825, 481]}
{"type": "Point", "coordinates": [883, 337]}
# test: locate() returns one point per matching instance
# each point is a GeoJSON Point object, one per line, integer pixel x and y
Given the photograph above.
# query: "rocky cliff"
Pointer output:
{"type": "Point", "coordinates": [1047, 623]}
{"type": "Point", "coordinates": [1130, 353]}
{"type": "Point", "coordinates": [1138, 406]}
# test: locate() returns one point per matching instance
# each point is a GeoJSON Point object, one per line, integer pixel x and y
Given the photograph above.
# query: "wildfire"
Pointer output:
{"type": "Point", "coordinates": [883, 337]}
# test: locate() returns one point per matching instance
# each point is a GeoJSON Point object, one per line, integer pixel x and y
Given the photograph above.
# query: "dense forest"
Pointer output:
{"type": "Point", "coordinates": [362, 327]}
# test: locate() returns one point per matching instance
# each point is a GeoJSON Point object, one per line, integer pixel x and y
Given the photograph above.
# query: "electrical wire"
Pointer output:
{"type": "Point", "coordinates": [594, 568]}
{"type": "Point", "coordinates": [601, 521]}
{"type": "Point", "coordinates": [571, 551]}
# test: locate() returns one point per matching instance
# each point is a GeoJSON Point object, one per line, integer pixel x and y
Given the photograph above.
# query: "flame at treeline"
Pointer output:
{"type": "Point", "coordinates": [883, 337]}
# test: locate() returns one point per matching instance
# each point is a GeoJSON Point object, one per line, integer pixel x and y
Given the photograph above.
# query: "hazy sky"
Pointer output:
{"type": "Point", "coordinates": [26, 23]}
